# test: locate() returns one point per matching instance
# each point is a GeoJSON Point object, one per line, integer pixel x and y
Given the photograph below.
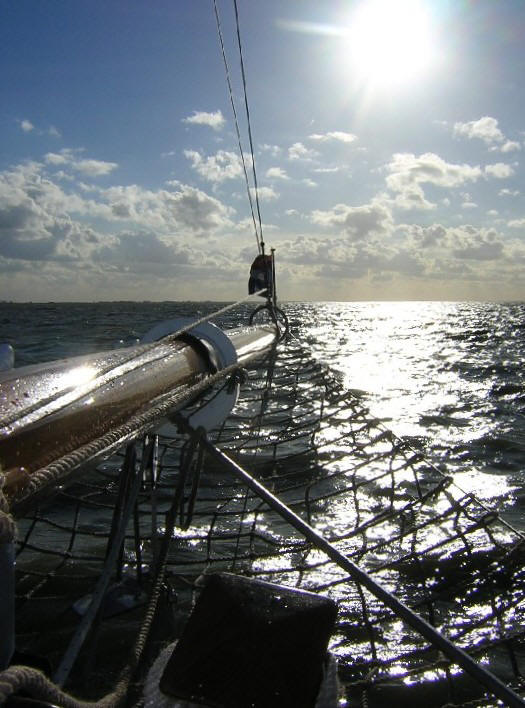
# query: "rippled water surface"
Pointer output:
{"type": "Point", "coordinates": [448, 375]}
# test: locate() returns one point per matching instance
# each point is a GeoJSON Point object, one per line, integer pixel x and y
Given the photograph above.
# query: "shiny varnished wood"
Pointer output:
{"type": "Point", "coordinates": [50, 410]}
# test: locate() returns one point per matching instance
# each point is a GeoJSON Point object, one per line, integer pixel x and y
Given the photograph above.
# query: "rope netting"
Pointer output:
{"type": "Point", "coordinates": [319, 450]}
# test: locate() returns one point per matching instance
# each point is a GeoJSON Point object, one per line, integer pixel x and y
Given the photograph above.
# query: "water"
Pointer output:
{"type": "Point", "coordinates": [449, 376]}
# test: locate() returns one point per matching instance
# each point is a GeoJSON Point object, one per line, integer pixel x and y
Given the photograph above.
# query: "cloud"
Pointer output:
{"type": "Point", "coordinates": [485, 129]}
{"type": "Point", "coordinates": [214, 120]}
{"type": "Point", "coordinates": [41, 222]}
{"type": "Point", "coordinates": [478, 245]}
{"type": "Point", "coordinates": [510, 146]}
{"type": "Point", "coordinates": [215, 168]}
{"type": "Point", "coordinates": [276, 173]}
{"type": "Point", "coordinates": [336, 135]}
{"type": "Point", "coordinates": [34, 224]}
{"type": "Point", "coordinates": [516, 223]}
{"type": "Point", "coordinates": [94, 168]}
{"type": "Point", "coordinates": [408, 256]}
{"type": "Point", "coordinates": [425, 236]}
{"type": "Point", "coordinates": [336, 258]}
{"type": "Point", "coordinates": [89, 167]}
{"type": "Point", "coordinates": [499, 170]}
{"type": "Point", "coordinates": [26, 126]}
{"type": "Point", "coordinates": [197, 211]}
{"type": "Point", "coordinates": [361, 222]}
{"type": "Point", "coordinates": [508, 192]}
{"type": "Point", "coordinates": [407, 169]}
{"type": "Point", "coordinates": [463, 254]}
{"type": "Point", "coordinates": [408, 173]}
{"type": "Point", "coordinates": [274, 150]}
{"type": "Point", "coordinates": [141, 247]}
{"type": "Point", "coordinates": [144, 242]}
{"type": "Point", "coordinates": [298, 151]}
{"type": "Point", "coordinates": [53, 158]}
{"type": "Point", "coordinates": [412, 196]}
{"type": "Point", "coordinates": [36, 218]}
{"type": "Point", "coordinates": [266, 194]}
{"type": "Point", "coordinates": [187, 209]}
{"type": "Point", "coordinates": [460, 242]}
{"type": "Point", "coordinates": [327, 170]}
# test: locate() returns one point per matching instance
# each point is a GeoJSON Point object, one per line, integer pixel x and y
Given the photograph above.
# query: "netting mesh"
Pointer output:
{"type": "Point", "coordinates": [316, 447]}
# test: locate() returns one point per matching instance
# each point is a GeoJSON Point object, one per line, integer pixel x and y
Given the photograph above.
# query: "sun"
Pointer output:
{"type": "Point", "coordinates": [390, 42]}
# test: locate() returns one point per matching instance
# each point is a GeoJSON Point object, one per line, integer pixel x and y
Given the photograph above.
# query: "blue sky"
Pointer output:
{"type": "Point", "coordinates": [388, 147]}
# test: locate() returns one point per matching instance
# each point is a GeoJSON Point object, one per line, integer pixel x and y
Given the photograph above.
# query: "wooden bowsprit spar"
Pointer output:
{"type": "Point", "coordinates": [57, 417]}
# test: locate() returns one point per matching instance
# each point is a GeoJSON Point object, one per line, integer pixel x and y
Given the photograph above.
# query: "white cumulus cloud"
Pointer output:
{"type": "Point", "coordinates": [485, 129]}
{"type": "Point", "coordinates": [510, 146]}
{"type": "Point", "coordinates": [94, 168]}
{"type": "Point", "coordinates": [89, 167]}
{"type": "Point", "coordinates": [26, 126]}
{"type": "Point", "coordinates": [276, 173]}
{"type": "Point", "coordinates": [358, 222]}
{"type": "Point", "coordinates": [214, 119]}
{"type": "Point", "coordinates": [406, 169]}
{"type": "Point", "coordinates": [215, 168]}
{"type": "Point", "coordinates": [408, 172]}
{"type": "Point", "coordinates": [266, 194]}
{"type": "Point", "coordinates": [499, 170]}
{"type": "Point", "coordinates": [298, 151]}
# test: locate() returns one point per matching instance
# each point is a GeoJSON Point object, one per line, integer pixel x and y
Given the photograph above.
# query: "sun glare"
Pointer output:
{"type": "Point", "coordinates": [390, 43]}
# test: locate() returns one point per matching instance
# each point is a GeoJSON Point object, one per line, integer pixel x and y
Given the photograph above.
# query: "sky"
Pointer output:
{"type": "Point", "coordinates": [388, 142]}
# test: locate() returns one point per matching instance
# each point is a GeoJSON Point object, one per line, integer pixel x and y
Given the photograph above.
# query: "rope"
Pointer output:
{"type": "Point", "coordinates": [138, 352]}
{"type": "Point", "coordinates": [160, 572]}
{"type": "Point", "coordinates": [447, 480]}
{"type": "Point", "coordinates": [7, 523]}
{"type": "Point", "coordinates": [248, 123]}
{"type": "Point", "coordinates": [111, 441]}
{"type": "Point", "coordinates": [454, 653]}
{"type": "Point", "coordinates": [83, 628]}
{"type": "Point", "coordinates": [350, 463]}
{"type": "Point", "coordinates": [236, 120]}
{"type": "Point", "coordinates": [32, 681]}
{"type": "Point", "coordinates": [191, 446]}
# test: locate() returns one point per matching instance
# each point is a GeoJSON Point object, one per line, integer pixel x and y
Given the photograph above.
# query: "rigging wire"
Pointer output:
{"type": "Point", "coordinates": [236, 120]}
{"type": "Point", "coordinates": [135, 355]}
{"type": "Point", "coordinates": [248, 122]}
{"type": "Point", "coordinates": [258, 230]}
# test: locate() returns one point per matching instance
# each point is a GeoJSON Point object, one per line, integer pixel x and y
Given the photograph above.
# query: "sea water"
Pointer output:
{"type": "Point", "coordinates": [447, 376]}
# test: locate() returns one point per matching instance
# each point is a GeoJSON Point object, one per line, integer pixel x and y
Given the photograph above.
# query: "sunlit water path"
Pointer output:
{"type": "Point", "coordinates": [448, 375]}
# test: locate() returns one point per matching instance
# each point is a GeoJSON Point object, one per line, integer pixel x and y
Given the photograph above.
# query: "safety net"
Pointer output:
{"type": "Point", "coordinates": [108, 569]}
